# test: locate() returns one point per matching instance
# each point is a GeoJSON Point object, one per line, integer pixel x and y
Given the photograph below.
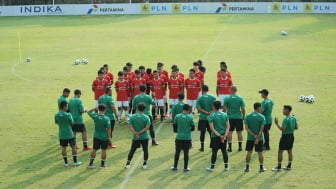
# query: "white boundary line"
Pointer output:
{"type": "Point", "coordinates": [135, 165]}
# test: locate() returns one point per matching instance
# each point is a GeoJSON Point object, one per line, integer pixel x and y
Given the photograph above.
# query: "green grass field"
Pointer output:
{"type": "Point", "coordinates": [301, 63]}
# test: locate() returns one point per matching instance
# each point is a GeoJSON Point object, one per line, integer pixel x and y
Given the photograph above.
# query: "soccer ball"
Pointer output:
{"type": "Point", "coordinates": [311, 99]}
{"type": "Point", "coordinates": [283, 33]}
{"type": "Point", "coordinates": [28, 59]}
{"type": "Point", "coordinates": [302, 98]}
{"type": "Point", "coordinates": [306, 98]}
{"type": "Point", "coordinates": [77, 61]}
{"type": "Point", "coordinates": [85, 61]}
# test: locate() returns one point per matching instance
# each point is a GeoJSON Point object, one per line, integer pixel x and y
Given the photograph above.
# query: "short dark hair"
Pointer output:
{"type": "Point", "coordinates": [125, 68]}
{"type": "Point", "coordinates": [160, 64]}
{"type": "Point", "coordinates": [149, 70]}
{"type": "Point", "coordinates": [205, 88]}
{"type": "Point", "coordinates": [200, 62]}
{"type": "Point", "coordinates": [100, 72]}
{"type": "Point", "coordinates": [105, 65]}
{"type": "Point", "coordinates": [63, 104]}
{"type": "Point", "coordinates": [107, 90]}
{"type": "Point", "coordinates": [120, 73]}
{"type": "Point", "coordinates": [101, 107]}
{"type": "Point", "coordinates": [223, 64]}
{"type": "Point", "coordinates": [288, 107]}
{"type": "Point", "coordinates": [186, 107]}
{"type": "Point", "coordinates": [173, 67]}
{"type": "Point", "coordinates": [141, 107]}
{"type": "Point", "coordinates": [256, 105]}
{"type": "Point", "coordinates": [77, 92]}
{"type": "Point", "coordinates": [155, 71]}
{"type": "Point", "coordinates": [196, 63]}
{"type": "Point", "coordinates": [180, 96]}
{"type": "Point", "coordinates": [66, 90]}
{"type": "Point", "coordinates": [141, 67]}
{"type": "Point", "coordinates": [142, 88]}
{"type": "Point", "coordinates": [192, 70]}
{"type": "Point", "coordinates": [137, 72]}
{"type": "Point", "coordinates": [217, 104]}
{"type": "Point", "coordinates": [129, 64]}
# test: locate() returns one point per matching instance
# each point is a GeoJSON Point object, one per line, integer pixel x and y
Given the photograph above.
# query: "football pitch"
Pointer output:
{"type": "Point", "coordinates": [301, 63]}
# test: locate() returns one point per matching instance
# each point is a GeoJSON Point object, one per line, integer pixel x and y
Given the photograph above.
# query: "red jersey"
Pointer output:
{"type": "Point", "coordinates": [175, 86]}
{"type": "Point", "coordinates": [131, 75]}
{"type": "Point", "coordinates": [164, 72]}
{"type": "Point", "coordinates": [228, 74]}
{"type": "Point", "coordinates": [129, 80]}
{"type": "Point", "coordinates": [180, 76]}
{"type": "Point", "coordinates": [200, 76]}
{"type": "Point", "coordinates": [107, 78]}
{"type": "Point", "coordinates": [122, 87]}
{"type": "Point", "coordinates": [165, 79]}
{"type": "Point", "coordinates": [135, 85]}
{"type": "Point", "coordinates": [99, 87]}
{"type": "Point", "coordinates": [146, 77]}
{"type": "Point", "coordinates": [110, 75]}
{"type": "Point", "coordinates": [224, 85]}
{"type": "Point", "coordinates": [157, 88]}
{"type": "Point", "coordinates": [193, 87]}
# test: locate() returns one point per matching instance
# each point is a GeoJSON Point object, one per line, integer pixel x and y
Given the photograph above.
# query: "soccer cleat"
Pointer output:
{"type": "Point", "coordinates": [66, 165]}
{"type": "Point", "coordinates": [201, 149]}
{"type": "Point", "coordinates": [210, 169]}
{"type": "Point", "coordinates": [144, 166]}
{"type": "Point", "coordinates": [240, 149]}
{"type": "Point", "coordinates": [127, 165]}
{"type": "Point", "coordinates": [186, 170]}
{"type": "Point", "coordinates": [173, 168]}
{"type": "Point", "coordinates": [226, 168]}
{"type": "Point", "coordinates": [78, 163]}
{"type": "Point", "coordinates": [112, 146]}
{"type": "Point", "coordinates": [246, 170]}
{"type": "Point", "coordinates": [276, 169]}
{"type": "Point", "coordinates": [87, 148]}
{"type": "Point", "coordinates": [229, 150]}
{"type": "Point", "coordinates": [154, 143]}
{"type": "Point", "coordinates": [262, 170]}
{"type": "Point", "coordinates": [90, 166]}
{"type": "Point", "coordinates": [287, 168]}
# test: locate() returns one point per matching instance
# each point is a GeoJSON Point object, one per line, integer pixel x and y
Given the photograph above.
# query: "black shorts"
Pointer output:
{"type": "Point", "coordinates": [203, 125]}
{"type": "Point", "coordinates": [286, 142]}
{"type": "Point", "coordinates": [71, 142]}
{"type": "Point", "coordinates": [137, 143]}
{"type": "Point", "coordinates": [216, 143]}
{"type": "Point", "coordinates": [99, 144]}
{"type": "Point", "coordinates": [78, 128]}
{"type": "Point", "coordinates": [182, 144]}
{"type": "Point", "coordinates": [257, 147]}
{"type": "Point", "coordinates": [236, 124]}
{"type": "Point", "coordinates": [112, 124]}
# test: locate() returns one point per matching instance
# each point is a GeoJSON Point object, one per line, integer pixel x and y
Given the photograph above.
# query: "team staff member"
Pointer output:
{"type": "Point", "coordinates": [266, 110]}
{"type": "Point", "coordinates": [289, 124]}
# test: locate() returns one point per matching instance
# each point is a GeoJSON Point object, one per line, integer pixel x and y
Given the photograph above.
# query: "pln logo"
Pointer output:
{"type": "Point", "coordinates": [308, 7]}
{"type": "Point", "coordinates": [222, 8]}
{"type": "Point", "coordinates": [176, 8]}
{"type": "Point", "coordinates": [276, 7]}
{"type": "Point", "coordinates": [94, 9]}
{"type": "Point", "coordinates": [145, 8]}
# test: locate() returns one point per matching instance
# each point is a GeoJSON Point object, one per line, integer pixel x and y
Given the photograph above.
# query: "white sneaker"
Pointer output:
{"type": "Point", "coordinates": [127, 165]}
{"type": "Point", "coordinates": [144, 166]}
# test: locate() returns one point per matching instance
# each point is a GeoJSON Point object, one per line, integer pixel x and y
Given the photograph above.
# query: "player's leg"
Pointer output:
{"type": "Point", "coordinates": [84, 137]}
{"type": "Point", "coordinates": [202, 129]}
{"type": "Point", "coordinates": [125, 105]}
{"type": "Point", "coordinates": [249, 149]}
{"type": "Point", "coordinates": [63, 144]}
{"type": "Point", "coordinates": [119, 105]}
{"type": "Point", "coordinates": [152, 132]}
{"type": "Point", "coordinates": [96, 146]}
{"type": "Point", "coordinates": [289, 147]}
{"type": "Point", "coordinates": [135, 145]}
{"type": "Point", "coordinates": [229, 137]}
{"type": "Point", "coordinates": [266, 137]}
{"type": "Point", "coordinates": [144, 144]}
{"type": "Point", "coordinates": [193, 106]}
{"type": "Point", "coordinates": [259, 148]}
{"type": "Point", "coordinates": [130, 105]}
{"type": "Point", "coordinates": [110, 145]}
{"type": "Point", "coordinates": [72, 144]}
{"type": "Point", "coordinates": [186, 147]}
{"type": "Point", "coordinates": [103, 146]}
{"type": "Point", "coordinates": [239, 129]}
{"type": "Point", "coordinates": [225, 156]}
{"type": "Point", "coordinates": [290, 159]}
{"type": "Point", "coordinates": [165, 108]}
{"type": "Point", "coordinates": [161, 105]}
{"type": "Point", "coordinates": [178, 147]}
{"type": "Point", "coordinates": [189, 102]}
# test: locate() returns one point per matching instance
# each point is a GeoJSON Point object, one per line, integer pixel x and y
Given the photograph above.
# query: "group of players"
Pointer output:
{"type": "Point", "coordinates": [139, 90]}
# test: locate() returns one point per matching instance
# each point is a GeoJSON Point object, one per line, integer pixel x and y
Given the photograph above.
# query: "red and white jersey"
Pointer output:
{"type": "Point", "coordinates": [164, 72]}
{"type": "Point", "coordinates": [110, 75]}
{"type": "Point", "coordinates": [228, 74]}
{"type": "Point", "coordinates": [99, 87]}
{"type": "Point", "coordinates": [157, 86]}
{"type": "Point", "coordinates": [135, 85]}
{"type": "Point", "coordinates": [165, 79]}
{"type": "Point", "coordinates": [193, 87]}
{"type": "Point", "coordinates": [146, 77]}
{"type": "Point", "coordinates": [175, 87]}
{"type": "Point", "coordinates": [180, 76]}
{"type": "Point", "coordinates": [122, 88]}
{"type": "Point", "coordinates": [200, 76]}
{"type": "Point", "coordinates": [131, 75]}
{"type": "Point", "coordinates": [129, 80]}
{"type": "Point", "coordinates": [224, 85]}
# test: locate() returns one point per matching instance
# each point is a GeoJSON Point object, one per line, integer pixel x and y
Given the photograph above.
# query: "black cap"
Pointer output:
{"type": "Point", "coordinates": [77, 91]}
{"type": "Point", "coordinates": [264, 91]}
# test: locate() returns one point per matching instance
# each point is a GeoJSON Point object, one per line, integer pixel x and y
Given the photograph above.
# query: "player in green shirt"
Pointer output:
{"type": "Point", "coordinates": [204, 107]}
{"type": "Point", "coordinates": [178, 107]}
{"type": "Point", "coordinates": [102, 134]}
{"type": "Point", "coordinates": [219, 126]}
{"type": "Point", "coordinates": [64, 97]}
{"type": "Point", "coordinates": [183, 125]}
{"type": "Point", "coordinates": [254, 125]}
{"type": "Point", "coordinates": [266, 110]}
{"type": "Point", "coordinates": [289, 124]}
{"type": "Point", "coordinates": [77, 109]}
{"type": "Point", "coordinates": [64, 121]}
{"type": "Point", "coordinates": [234, 105]}
{"type": "Point", "coordinates": [111, 111]}
{"type": "Point", "coordinates": [148, 101]}
{"type": "Point", "coordinates": [139, 124]}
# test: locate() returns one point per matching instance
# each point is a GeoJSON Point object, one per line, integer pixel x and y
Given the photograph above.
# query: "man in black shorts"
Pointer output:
{"type": "Point", "coordinates": [254, 124]}
{"type": "Point", "coordinates": [289, 124]}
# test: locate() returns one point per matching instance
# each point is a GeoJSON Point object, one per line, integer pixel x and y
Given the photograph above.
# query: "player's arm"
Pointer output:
{"type": "Point", "coordinates": [296, 126]}
{"type": "Point", "coordinates": [217, 89]}
{"type": "Point", "coordinates": [114, 110]}
{"type": "Point", "coordinates": [227, 123]}
{"type": "Point", "coordinates": [243, 111]}
{"type": "Point", "coordinates": [144, 129]}
{"type": "Point", "coordinates": [174, 125]}
{"type": "Point", "coordinates": [260, 131]}
{"type": "Point", "coordinates": [92, 110]}
{"type": "Point", "coordinates": [108, 130]}
{"type": "Point", "coordinates": [133, 131]}
{"type": "Point", "coordinates": [203, 111]}
{"type": "Point", "coordinates": [281, 128]}
{"type": "Point", "coordinates": [249, 131]}
{"type": "Point", "coordinates": [212, 128]}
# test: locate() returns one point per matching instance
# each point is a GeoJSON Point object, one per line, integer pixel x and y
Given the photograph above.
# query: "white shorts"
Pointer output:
{"type": "Point", "coordinates": [159, 102]}
{"type": "Point", "coordinates": [191, 103]}
{"type": "Point", "coordinates": [173, 101]}
{"type": "Point", "coordinates": [129, 99]}
{"type": "Point", "coordinates": [95, 103]}
{"type": "Point", "coordinates": [122, 104]}
{"type": "Point", "coordinates": [165, 98]}
{"type": "Point", "coordinates": [222, 97]}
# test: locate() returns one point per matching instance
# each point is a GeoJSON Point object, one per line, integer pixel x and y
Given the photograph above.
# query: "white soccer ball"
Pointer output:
{"type": "Point", "coordinates": [311, 99]}
{"type": "Point", "coordinates": [28, 59]}
{"type": "Point", "coordinates": [77, 61]}
{"type": "Point", "coordinates": [283, 33]}
{"type": "Point", "coordinates": [85, 61]}
{"type": "Point", "coordinates": [302, 98]}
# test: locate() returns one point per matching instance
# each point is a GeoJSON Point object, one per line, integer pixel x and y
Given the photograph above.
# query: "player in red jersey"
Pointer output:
{"type": "Point", "coordinates": [160, 69]}
{"type": "Point", "coordinates": [130, 74]}
{"type": "Point", "coordinates": [122, 86]}
{"type": "Point", "coordinates": [128, 77]}
{"type": "Point", "coordinates": [143, 73]}
{"type": "Point", "coordinates": [224, 84]}
{"type": "Point", "coordinates": [150, 77]}
{"type": "Point", "coordinates": [135, 85]}
{"type": "Point", "coordinates": [179, 74]}
{"type": "Point", "coordinates": [193, 87]}
{"type": "Point", "coordinates": [165, 79]}
{"type": "Point", "coordinates": [157, 88]}
{"type": "Point", "coordinates": [201, 67]}
{"type": "Point", "coordinates": [198, 74]}
{"type": "Point", "coordinates": [175, 86]}
{"type": "Point", "coordinates": [98, 87]}
{"type": "Point", "coordinates": [108, 74]}
{"type": "Point", "coordinates": [224, 66]}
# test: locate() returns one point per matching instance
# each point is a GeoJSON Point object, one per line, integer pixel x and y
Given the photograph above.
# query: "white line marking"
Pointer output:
{"type": "Point", "coordinates": [130, 172]}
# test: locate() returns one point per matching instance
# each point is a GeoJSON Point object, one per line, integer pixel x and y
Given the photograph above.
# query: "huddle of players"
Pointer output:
{"type": "Point", "coordinates": [219, 125]}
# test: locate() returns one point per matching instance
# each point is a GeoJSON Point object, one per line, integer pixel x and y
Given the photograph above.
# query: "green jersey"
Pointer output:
{"type": "Point", "coordinates": [266, 109]}
{"type": "Point", "coordinates": [101, 123]}
{"type": "Point", "coordinates": [61, 99]}
{"type": "Point", "coordinates": [108, 101]}
{"type": "Point", "coordinates": [254, 121]}
{"type": "Point", "coordinates": [139, 121]}
{"type": "Point", "coordinates": [290, 123]}
{"type": "Point", "coordinates": [64, 121]}
{"type": "Point", "coordinates": [218, 119]}
{"type": "Point", "coordinates": [184, 122]}
{"type": "Point", "coordinates": [233, 103]}
{"type": "Point", "coordinates": [143, 98]}
{"type": "Point", "coordinates": [205, 102]}
{"type": "Point", "coordinates": [76, 106]}
{"type": "Point", "coordinates": [177, 108]}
